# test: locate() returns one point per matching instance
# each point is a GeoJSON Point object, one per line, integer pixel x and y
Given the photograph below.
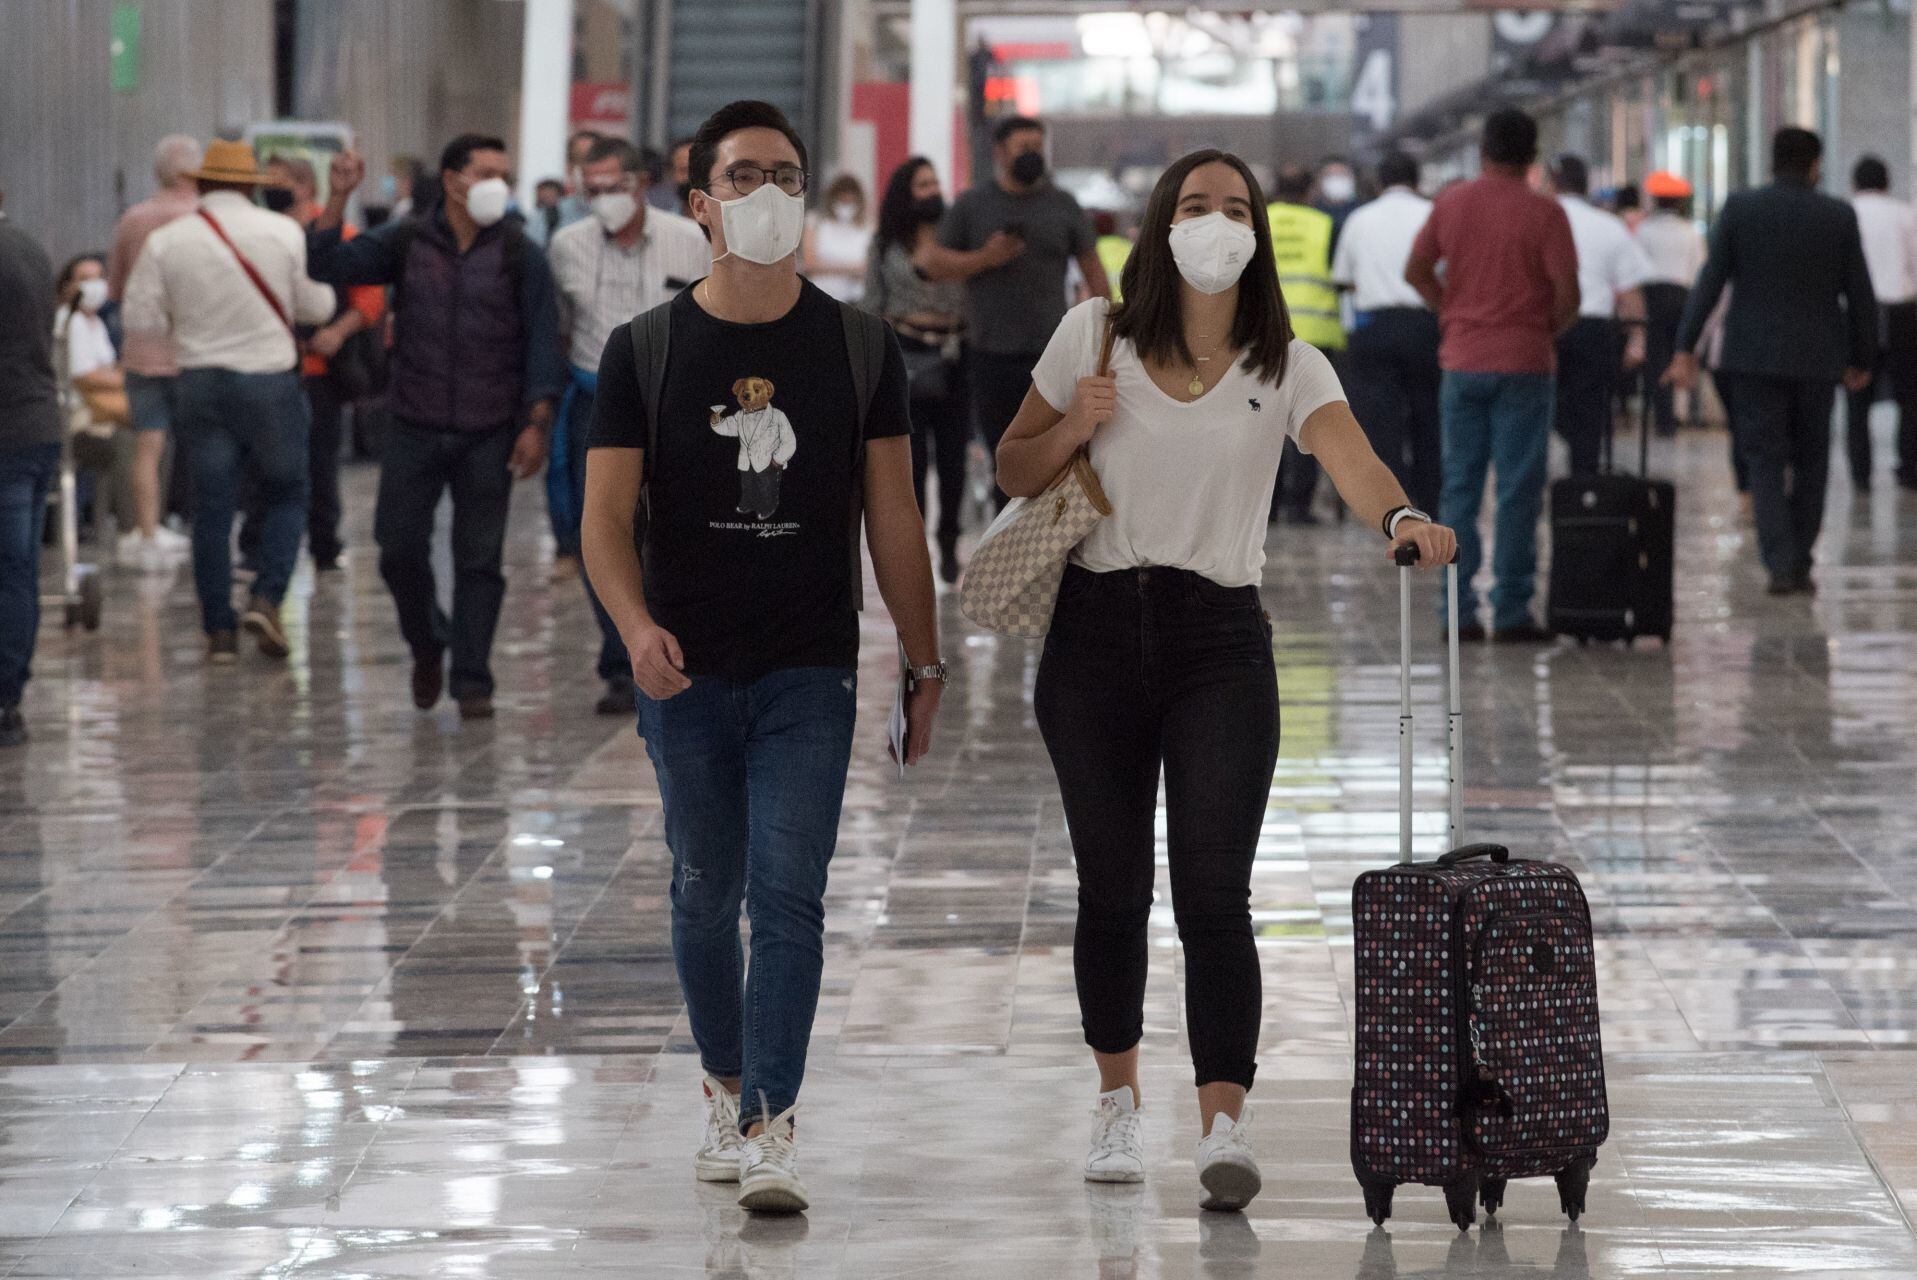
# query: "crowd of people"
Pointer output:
{"type": "Point", "coordinates": [723, 389]}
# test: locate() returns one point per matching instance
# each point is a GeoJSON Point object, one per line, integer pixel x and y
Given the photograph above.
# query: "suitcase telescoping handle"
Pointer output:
{"type": "Point", "coordinates": [1407, 559]}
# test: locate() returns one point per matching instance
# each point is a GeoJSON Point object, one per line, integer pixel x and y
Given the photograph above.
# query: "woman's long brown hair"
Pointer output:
{"type": "Point", "coordinates": [1149, 317]}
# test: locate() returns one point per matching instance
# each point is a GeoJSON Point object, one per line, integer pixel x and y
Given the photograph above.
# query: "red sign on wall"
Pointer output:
{"type": "Point", "coordinates": [604, 106]}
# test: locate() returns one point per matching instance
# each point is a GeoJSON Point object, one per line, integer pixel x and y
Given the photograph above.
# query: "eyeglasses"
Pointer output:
{"type": "Point", "coordinates": [747, 178]}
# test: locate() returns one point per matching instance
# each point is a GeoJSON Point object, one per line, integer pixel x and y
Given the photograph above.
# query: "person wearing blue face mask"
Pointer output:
{"type": "Point", "coordinates": [1159, 659]}
{"type": "Point", "coordinates": [477, 372]}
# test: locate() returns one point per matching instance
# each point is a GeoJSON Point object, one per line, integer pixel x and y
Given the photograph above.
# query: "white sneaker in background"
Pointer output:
{"type": "Point", "coordinates": [1118, 1152]}
{"type": "Point", "coordinates": [156, 559]}
{"type": "Point", "coordinates": [1226, 1167]}
{"type": "Point", "coordinates": [718, 1158]}
{"type": "Point", "coordinates": [769, 1170]}
{"type": "Point", "coordinates": [177, 543]}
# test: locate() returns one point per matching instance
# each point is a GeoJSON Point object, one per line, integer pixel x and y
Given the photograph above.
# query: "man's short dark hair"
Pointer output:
{"type": "Point", "coordinates": [1795, 152]}
{"type": "Point", "coordinates": [1398, 170]}
{"type": "Point", "coordinates": [552, 184]}
{"type": "Point", "coordinates": [1294, 184]}
{"type": "Point", "coordinates": [459, 152]}
{"type": "Point", "coordinates": [1571, 175]}
{"type": "Point", "coordinates": [628, 155]}
{"type": "Point", "coordinates": [1510, 137]}
{"type": "Point", "coordinates": [1871, 174]}
{"type": "Point", "coordinates": [727, 120]}
{"type": "Point", "coordinates": [1014, 124]}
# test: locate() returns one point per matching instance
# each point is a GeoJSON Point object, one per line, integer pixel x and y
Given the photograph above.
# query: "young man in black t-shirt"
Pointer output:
{"type": "Point", "coordinates": [743, 625]}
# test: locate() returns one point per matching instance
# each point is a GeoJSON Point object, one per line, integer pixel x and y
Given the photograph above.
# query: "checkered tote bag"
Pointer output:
{"type": "Point", "coordinates": [1011, 584]}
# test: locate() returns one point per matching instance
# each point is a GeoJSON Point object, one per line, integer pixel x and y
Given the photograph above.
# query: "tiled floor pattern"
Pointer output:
{"type": "Point", "coordinates": [296, 981]}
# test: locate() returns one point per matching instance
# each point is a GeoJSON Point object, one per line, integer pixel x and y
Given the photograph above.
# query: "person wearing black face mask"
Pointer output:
{"type": "Point", "coordinates": [1010, 241]}
{"type": "Point", "coordinates": [927, 316]}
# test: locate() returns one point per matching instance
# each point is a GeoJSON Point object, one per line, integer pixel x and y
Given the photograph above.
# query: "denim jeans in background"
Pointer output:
{"type": "Point", "coordinates": [25, 475]}
{"type": "Point", "coordinates": [416, 466]}
{"type": "Point", "coordinates": [1501, 422]}
{"type": "Point", "coordinates": [777, 749]}
{"type": "Point", "coordinates": [240, 426]}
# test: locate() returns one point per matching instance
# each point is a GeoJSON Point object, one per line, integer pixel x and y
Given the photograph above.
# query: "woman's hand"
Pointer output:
{"type": "Point", "coordinates": [1436, 544]}
{"type": "Point", "coordinates": [1092, 407]}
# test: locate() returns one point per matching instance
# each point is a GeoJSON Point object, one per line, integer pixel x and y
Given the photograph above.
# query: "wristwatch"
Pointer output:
{"type": "Point", "coordinates": [915, 674]}
{"type": "Point", "coordinates": [1401, 514]}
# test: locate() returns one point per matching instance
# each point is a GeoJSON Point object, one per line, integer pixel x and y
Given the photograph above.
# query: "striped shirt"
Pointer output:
{"type": "Point", "coordinates": [603, 284]}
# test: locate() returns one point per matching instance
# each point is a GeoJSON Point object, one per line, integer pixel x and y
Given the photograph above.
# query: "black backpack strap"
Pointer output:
{"type": "Point", "coordinates": [650, 334]}
{"type": "Point", "coordinates": [865, 339]}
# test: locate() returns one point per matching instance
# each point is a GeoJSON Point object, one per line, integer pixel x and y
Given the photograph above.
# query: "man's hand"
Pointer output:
{"type": "Point", "coordinates": [344, 175]}
{"type": "Point", "coordinates": [1437, 546]}
{"type": "Point", "coordinates": [1001, 248]}
{"type": "Point", "coordinates": [326, 342]}
{"type": "Point", "coordinates": [658, 665]}
{"type": "Point", "coordinates": [1683, 372]}
{"type": "Point", "coordinates": [529, 453]}
{"type": "Point", "coordinates": [1634, 350]}
{"type": "Point", "coordinates": [1856, 379]}
{"type": "Point", "coordinates": [921, 708]}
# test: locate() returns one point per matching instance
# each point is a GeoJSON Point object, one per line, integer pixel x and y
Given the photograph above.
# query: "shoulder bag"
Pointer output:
{"type": "Point", "coordinates": [1011, 584]}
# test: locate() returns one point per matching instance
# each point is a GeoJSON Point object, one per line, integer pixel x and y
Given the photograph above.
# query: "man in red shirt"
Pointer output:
{"type": "Point", "coordinates": [1509, 288]}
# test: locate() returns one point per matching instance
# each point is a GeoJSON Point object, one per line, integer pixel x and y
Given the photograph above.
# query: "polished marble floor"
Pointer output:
{"type": "Point", "coordinates": [295, 981]}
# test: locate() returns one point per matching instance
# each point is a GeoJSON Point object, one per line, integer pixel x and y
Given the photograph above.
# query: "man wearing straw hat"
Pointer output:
{"type": "Point", "coordinates": [229, 284]}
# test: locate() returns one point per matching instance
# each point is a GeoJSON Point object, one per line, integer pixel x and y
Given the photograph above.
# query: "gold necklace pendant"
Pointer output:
{"type": "Point", "coordinates": [1196, 387]}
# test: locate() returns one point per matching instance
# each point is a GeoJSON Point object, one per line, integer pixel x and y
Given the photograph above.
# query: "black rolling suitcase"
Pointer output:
{"type": "Point", "coordinates": [1613, 540]}
{"type": "Point", "coordinates": [1478, 1054]}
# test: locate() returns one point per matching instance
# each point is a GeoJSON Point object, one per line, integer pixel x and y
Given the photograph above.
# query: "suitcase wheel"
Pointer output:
{"type": "Point", "coordinates": [1491, 1196]}
{"type": "Point", "coordinates": [1573, 1180]}
{"type": "Point", "coordinates": [1377, 1198]}
{"type": "Point", "coordinates": [1461, 1200]}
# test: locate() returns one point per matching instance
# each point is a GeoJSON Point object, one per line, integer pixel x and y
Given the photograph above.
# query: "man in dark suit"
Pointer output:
{"type": "Point", "coordinates": [1802, 319]}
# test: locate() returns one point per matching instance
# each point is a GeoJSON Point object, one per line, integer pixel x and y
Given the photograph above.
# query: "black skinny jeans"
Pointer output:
{"type": "Point", "coordinates": [1162, 669]}
{"type": "Point", "coordinates": [941, 436]}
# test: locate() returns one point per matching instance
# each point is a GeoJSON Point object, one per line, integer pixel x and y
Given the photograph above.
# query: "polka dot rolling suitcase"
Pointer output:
{"type": "Point", "coordinates": [1478, 1056]}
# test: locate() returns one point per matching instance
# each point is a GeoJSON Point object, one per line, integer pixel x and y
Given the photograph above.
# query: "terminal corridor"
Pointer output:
{"type": "Point", "coordinates": [298, 981]}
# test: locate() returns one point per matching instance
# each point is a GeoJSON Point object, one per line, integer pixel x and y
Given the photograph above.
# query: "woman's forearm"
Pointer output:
{"type": "Point", "coordinates": [1027, 466]}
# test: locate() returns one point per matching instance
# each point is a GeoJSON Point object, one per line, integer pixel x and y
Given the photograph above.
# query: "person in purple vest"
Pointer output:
{"type": "Point", "coordinates": [476, 373]}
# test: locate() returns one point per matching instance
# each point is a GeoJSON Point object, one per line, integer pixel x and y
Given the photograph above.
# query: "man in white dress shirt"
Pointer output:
{"type": "Point", "coordinates": [1612, 270]}
{"type": "Point", "coordinates": [1391, 359]}
{"type": "Point", "coordinates": [1889, 228]}
{"type": "Point", "coordinates": [229, 283]}
{"type": "Point", "coordinates": [1676, 250]}
{"type": "Point", "coordinates": [621, 261]}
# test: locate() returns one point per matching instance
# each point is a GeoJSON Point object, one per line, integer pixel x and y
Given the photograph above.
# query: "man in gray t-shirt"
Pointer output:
{"type": "Point", "coordinates": [1010, 241]}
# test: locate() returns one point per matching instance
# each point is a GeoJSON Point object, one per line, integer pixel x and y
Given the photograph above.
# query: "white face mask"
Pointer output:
{"type": "Point", "coordinates": [846, 210]}
{"type": "Point", "coordinates": [614, 209]}
{"type": "Point", "coordinates": [1338, 187]}
{"type": "Point", "coordinates": [486, 201]}
{"type": "Point", "coordinates": [764, 227]}
{"type": "Point", "coordinates": [93, 294]}
{"type": "Point", "coordinates": [1212, 251]}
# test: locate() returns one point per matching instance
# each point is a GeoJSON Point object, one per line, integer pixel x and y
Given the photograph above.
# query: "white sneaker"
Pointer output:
{"type": "Point", "coordinates": [718, 1158]}
{"type": "Point", "coordinates": [146, 555]}
{"type": "Point", "coordinates": [172, 540]}
{"type": "Point", "coordinates": [1226, 1167]}
{"type": "Point", "coordinates": [1118, 1153]}
{"type": "Point", "coordinates": [769, 1169]}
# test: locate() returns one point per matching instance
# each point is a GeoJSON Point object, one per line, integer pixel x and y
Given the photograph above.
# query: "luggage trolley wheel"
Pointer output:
{"type": "Point", "coordinates": [1491, 1195]}
{"type": "Point", "coordinates": [1573, 1180]}
{"type": "Point", "coordinates": [1461, 1199]}
{"type": "Point", "coordinates": [1377, 1198]}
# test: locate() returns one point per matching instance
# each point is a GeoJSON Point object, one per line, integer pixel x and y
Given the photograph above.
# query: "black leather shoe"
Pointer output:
{"type": "Point", "coordinates": [1782, 584]}
{"type": "Point", "coordinates": [476, 707]}
{"type": "Point", "coordinates": [617, 700]}
{"type": "Point", "coordinates": [1471, 633]}
{"type": "Point", "coordinates": [1526, 632]}
{"type": "Point", "coordinates": [13, 727]}
{"type": "Point", "coordinates": [429, 681]}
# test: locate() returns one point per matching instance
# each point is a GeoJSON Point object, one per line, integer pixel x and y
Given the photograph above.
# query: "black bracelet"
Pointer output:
{"type": "Point", "coordinates": [1385, 524]}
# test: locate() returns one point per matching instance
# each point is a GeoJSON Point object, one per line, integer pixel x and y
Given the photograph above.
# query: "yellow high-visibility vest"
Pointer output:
{"type": "Point", "coordinates": [1113, 251]}
{"type": "Point", "coordinates": [1301, 241]}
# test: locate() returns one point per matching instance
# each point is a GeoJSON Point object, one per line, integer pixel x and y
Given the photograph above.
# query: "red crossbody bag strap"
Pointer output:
{"type": "Point", "coordinates": [272, 299]}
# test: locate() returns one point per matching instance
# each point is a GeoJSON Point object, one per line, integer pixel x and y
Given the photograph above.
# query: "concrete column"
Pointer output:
{"type": "Point", "coordinates": [934, 68]}
{"type": "Point", "coordinates": [545, 94]}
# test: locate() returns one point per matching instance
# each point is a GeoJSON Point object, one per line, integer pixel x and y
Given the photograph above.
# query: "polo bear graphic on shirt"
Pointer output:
{"type": "Point", "coordinates": [766, 445]}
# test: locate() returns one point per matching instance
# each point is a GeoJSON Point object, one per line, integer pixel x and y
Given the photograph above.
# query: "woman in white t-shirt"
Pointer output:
{"type": "Point", "coordinates": [95, 384]}
{"type": "Point", "coordinates": [1160, 654]}
{"type": "Point", "coordinates": [838, 241]}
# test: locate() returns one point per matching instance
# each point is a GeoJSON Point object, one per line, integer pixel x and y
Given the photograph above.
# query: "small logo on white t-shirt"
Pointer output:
{"type": "Point", "coordinates": [1255, 406]}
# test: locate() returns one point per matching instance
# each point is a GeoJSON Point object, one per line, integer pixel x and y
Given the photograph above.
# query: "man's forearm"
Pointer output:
{"type": "Point", "coordinates": [903, 568]}
{"type": "Point", "coordinates": [1424, 278]}
{"type": "Point", "coordinates": [944, 266]}
{"type": "Point", "coordinates": [613, 568]}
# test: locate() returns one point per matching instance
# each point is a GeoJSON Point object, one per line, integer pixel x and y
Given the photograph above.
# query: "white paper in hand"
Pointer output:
{"type": "Point", "coordinates": [895, 727]}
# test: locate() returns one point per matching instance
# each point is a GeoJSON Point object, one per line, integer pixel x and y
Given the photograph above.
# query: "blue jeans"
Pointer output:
{"type": "Point", "coordinates": [570, 438]}
{"type": "Point", "coordinates": [241, 427]}
{"type": "Point", "coordinates": [1501, 421]}
{"type": "Point", "coordinates": [752, 775]}
{"type": "Point", "coordinates": [25, 475]}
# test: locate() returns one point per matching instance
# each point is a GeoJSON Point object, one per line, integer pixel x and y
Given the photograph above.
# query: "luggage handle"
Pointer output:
{"type": "Point", "coordinates": [1406, 557]}
{"type": "Point", "coordinates": [1495, 852]}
